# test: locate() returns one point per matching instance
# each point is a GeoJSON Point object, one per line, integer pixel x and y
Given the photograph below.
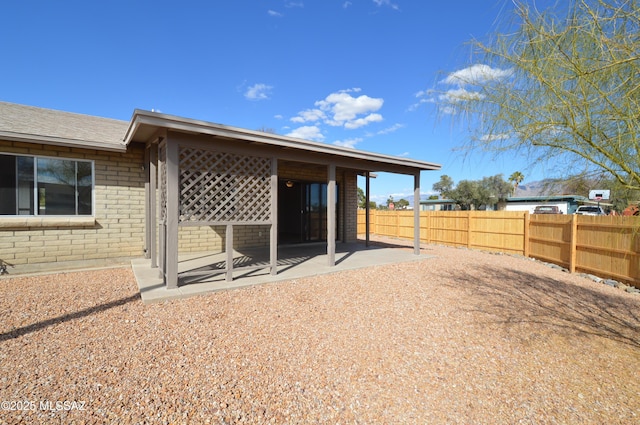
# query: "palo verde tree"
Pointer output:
{"type": "Point", "coordinates": [558, 83]}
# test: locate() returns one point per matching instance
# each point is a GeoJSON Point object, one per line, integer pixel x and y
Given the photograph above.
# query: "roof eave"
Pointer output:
{"type": "Point", "coordinates": [171, 122]}
{"type": "Point", "coordinates": [59, 141]}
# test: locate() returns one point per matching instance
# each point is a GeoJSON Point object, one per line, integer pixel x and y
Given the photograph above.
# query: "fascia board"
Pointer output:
{"type": "Point", "coordinates": [58, 141]}
{"type": "Point", "coordinates": [171, 122]}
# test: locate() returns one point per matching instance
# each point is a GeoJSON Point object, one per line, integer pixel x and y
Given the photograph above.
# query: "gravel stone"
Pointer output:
{"type": "Point", "coordinates": [462, 337]}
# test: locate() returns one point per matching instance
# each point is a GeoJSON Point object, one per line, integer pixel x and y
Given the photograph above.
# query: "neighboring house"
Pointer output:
{"type": "Point", "coordinates": [567, 204]}
{"type": "Point", "coordinates": [78, 190]}
{"type": "Point", "coordinates": [447, 205]}
{"type": "Point", "coordinates": [438, 205]}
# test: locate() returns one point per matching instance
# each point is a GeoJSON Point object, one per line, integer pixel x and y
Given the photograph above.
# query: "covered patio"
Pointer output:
{"type": "Point", "coordinates": [203, 273]}
{"type": "Point", "coordinates": [214, 206]}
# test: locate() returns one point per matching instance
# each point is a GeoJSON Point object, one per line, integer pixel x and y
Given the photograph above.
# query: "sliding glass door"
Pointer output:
{"type": "Point", "coordinates": [302, 211]}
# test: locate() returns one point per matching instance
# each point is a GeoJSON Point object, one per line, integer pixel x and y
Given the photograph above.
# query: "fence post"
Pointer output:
{"type": "Point", "coordinates": [573, 247]}
{"type": "Point", "coordinates": [428, 213]}
{"type": "Point", "coordinates": [527, 224]}
{"type": "Point", "coordinates": [374, 221]}
{"type": "Point", "coordinates": [469, 229]}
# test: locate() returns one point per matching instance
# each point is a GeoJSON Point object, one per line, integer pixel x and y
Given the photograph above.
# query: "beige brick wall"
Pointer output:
{"type": "Point", "coordinates": [117, 233]}
{"type": "Point", "coordinates": [350, 206]}
{"type": "Point", "coordinates": [213, 238]}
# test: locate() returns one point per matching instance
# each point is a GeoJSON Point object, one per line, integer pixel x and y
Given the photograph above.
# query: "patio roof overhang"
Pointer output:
{"type": "Point", "coordinates": [165, 135]}
{"type": "Point", "coordinates": [144, 125]}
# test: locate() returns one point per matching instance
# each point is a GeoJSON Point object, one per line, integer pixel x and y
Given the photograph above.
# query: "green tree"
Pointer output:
{"type": "Point", "coordinates": [444, 186]}
{"type": "Point", "coordinates": [402, 204]}
{"type": "Point", "coordinates": [362, 201]}
{"type": "Point", "coordinates": [476, 194]}
{"type": "Point", "coordinates": [389, 202]}
{"type": "Point", "coordinates": [561, 83]}
{"type": "Point", "coordinates": [496, 187]}
{"type": "Point", "coordinates": [468, 194]}
{"type": "Point", "coordinates": [516, 178]}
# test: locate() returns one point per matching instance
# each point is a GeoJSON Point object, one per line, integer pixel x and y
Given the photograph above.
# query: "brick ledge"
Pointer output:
{"type": "Point", "coordinates": [30, 222]}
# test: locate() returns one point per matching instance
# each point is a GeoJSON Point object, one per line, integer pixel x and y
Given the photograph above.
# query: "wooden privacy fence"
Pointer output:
{"type": "Point", "coordinates": [606, 246]}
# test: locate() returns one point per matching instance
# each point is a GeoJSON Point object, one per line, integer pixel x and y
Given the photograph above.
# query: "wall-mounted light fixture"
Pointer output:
{"type": "Point", "coordinates": [289, 184]}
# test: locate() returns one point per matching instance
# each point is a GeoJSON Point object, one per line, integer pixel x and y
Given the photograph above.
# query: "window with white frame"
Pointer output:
{"type": "Point", "coordinates": [33, 185]}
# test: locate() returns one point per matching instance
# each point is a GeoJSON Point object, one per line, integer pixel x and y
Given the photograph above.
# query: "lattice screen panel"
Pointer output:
{"type": "Point", "coordinates": [223, 187]}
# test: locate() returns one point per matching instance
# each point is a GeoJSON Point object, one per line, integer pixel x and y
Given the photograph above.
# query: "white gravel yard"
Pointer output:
{"type": "Point", "coordinates": [464, 337]}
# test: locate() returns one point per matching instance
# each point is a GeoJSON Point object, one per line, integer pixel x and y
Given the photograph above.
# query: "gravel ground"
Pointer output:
{"type": "Point", "coordinates": [464, 337]}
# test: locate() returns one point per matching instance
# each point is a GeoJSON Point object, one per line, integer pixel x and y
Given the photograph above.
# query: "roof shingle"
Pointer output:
{"type": "Point", "coordinates": [48, 126]}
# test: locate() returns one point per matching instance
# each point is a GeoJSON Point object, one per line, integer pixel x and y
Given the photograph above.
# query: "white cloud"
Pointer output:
{"type": "Point", "coordinates": [349, 143]}
{"type": "Point", "coordinates": [360, 122]}
{"type": "Point", "coordinates": [447, 110]}
{"type": "Point", "coordinates": [452, 97]}
{"type": "Point", "coordinates": [309, 115]}
{"type": "Point", "coordinates": [341, 109]}
{"type": "Point", "coordinates": [423, 96]}
{"type": "Point", "coordinates": [258, 92]}
{"type": "Point", "coordinates": [274, 13]}
{"type": "Point", "coordinates": [309, 132]}
{"type": "Point", "coordinates": [477, 74]}
{"type": "Point", "coordinates": [278, 116]}
{"type": "Point", "coordinates": [460, 95]}
{"type": "Point", "coordinates": [294, 4]}
{"type": "Point", "coordinates": [344, 109]}
{"type": "Point", "coordinates": [391, 129]}
{"type": "Point", "coordinates": [386, 3]}
{"type": "Point", "coordinates": [494, 137]}
{"type": "Point", "coordinates": [346, 4]}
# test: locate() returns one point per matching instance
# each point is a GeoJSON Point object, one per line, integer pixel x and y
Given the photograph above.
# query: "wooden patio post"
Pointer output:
{"type": "Point", "coordinates": [173, 212]}
{"type": "Point", "coordinates": [273, 235]}
{"type": "Point", "coordinates": [229, 252]}
{"type": "Point", "coordinates": [416, 213]}
{"type": "Point", "coordinates": [331, 216]}
{"type": "Point", "coordinates": [367, 221]}
{"type": "Point", "coordinates": [147, 196]}
{"type": "Point", "coordinates": [152, 217]}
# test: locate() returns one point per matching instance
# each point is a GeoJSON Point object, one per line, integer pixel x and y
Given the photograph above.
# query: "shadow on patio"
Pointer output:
{"type": "Point", "coordinates": [205, 272]}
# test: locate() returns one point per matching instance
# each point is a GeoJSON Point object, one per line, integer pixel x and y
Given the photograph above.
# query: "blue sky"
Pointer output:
{"type": "Point", "coordinates": [354, 73]}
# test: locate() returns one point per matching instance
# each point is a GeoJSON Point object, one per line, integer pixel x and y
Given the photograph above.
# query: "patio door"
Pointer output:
{"type": "Point", "coordinates": [302, 211]}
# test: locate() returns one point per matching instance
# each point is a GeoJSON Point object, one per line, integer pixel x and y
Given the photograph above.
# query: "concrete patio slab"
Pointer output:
{"type": "Point", "coordinates": [204, 272]}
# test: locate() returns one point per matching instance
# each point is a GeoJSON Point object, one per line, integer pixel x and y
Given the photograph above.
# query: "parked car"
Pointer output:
{"type": "Point", "coordinates": [590, 210]}
{"type": "Point", "coordinates": [547, 209]}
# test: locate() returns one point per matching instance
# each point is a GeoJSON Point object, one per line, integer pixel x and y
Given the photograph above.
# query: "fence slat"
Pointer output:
{"type": "Point", "coordinates": [607, 246]}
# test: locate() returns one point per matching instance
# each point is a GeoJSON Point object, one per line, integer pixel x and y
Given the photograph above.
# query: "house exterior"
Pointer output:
{"type": "Point", "coordinates": [438, 205]}
{"type": "Point", "coordinates": [78, 190]}
{"type": "Point", "coordinates": [567, 204]}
